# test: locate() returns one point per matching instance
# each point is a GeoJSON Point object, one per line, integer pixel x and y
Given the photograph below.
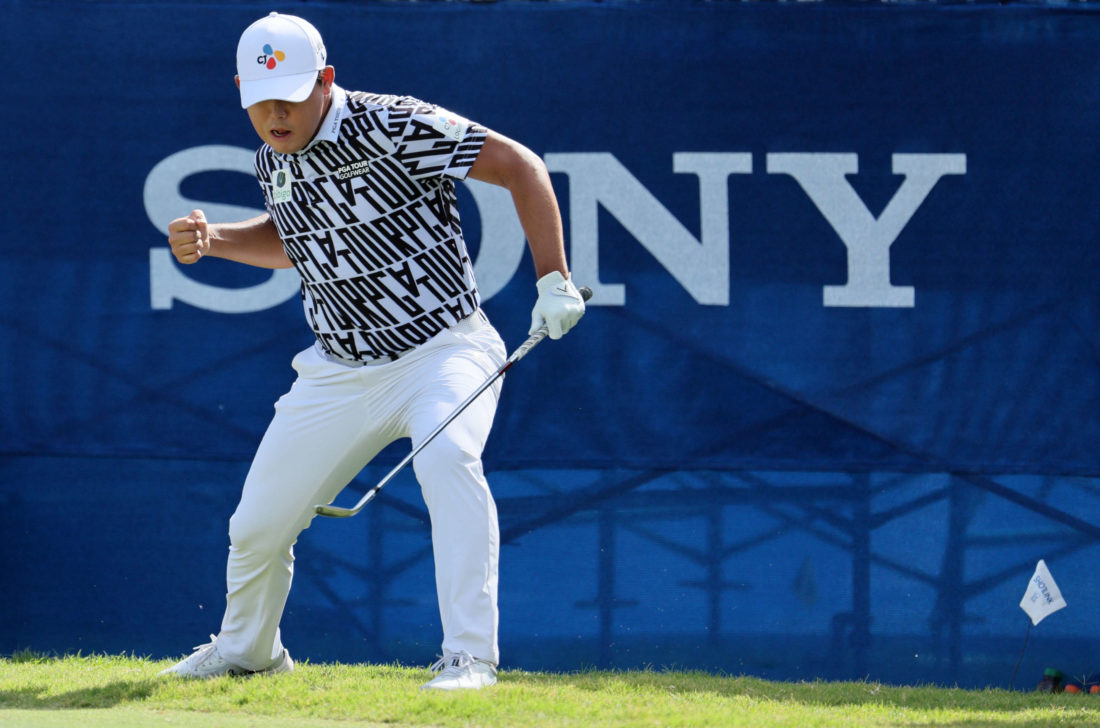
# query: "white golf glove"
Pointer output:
{"type": "Point", "coordinates": [560, 305]}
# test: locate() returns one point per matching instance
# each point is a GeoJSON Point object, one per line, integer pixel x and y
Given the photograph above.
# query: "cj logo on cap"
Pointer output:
{"type": "Point", "coordinates": [270, 57]}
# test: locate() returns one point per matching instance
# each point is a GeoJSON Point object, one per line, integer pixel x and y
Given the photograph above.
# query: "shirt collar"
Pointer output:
{"type": "Point", "coordinates": [329, 131]}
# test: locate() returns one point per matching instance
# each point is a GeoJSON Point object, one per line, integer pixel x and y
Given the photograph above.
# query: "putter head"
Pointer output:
{"type": "Point", "coordinates": [334, 511]}
{"type": "Point", "coordinates": [337, 512]}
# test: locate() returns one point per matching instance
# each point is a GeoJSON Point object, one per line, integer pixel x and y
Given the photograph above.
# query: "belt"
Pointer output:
{"type": "Point", "coordinates": [474, 322]}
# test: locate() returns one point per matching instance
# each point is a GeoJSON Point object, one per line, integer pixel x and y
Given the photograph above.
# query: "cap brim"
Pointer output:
{"type": "Point", "coordinates": [294, 88]}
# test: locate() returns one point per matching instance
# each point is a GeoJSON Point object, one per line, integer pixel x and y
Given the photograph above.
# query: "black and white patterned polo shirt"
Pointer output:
{"type": "Point", "coordinates": [368, 215]}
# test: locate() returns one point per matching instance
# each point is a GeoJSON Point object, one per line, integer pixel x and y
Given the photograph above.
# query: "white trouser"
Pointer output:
{"type": "Point", "coordinates": [329, 425]}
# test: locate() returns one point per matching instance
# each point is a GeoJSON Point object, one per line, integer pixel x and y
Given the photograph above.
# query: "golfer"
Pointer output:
{"type": "Point", "coordinates": [360, 198]}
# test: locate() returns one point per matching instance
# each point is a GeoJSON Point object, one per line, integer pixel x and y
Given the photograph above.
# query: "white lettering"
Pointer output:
{"type": "Point", "coordinates": [702, 268]}
{"type": "Point", "coordinates": [164, 203]}
{"type": "Point", "coordinates": [868, 241]}
{"type": "Point", "coordinates": [701, 265]}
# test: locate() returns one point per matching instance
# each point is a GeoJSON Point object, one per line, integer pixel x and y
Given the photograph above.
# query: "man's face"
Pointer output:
{"type": "Point", "coordinates": [289, 126]}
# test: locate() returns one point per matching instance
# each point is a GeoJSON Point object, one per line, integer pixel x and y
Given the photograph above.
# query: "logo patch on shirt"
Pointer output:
{"type": "Point", "coordinates": [282, 185]}
{"type": "Point", "coordinates": [355, 169]}
{"type": "Point", "coordinates": [450, 125]}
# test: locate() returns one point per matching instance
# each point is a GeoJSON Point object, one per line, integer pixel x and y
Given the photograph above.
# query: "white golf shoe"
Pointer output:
{"type": "Point", "coordinates": [461, 671]}
{"type": "Point", "coordinates": [207, 662]}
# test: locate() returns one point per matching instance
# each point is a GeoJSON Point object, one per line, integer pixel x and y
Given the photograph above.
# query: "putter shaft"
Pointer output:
{"type": "Point", "coordinates": [522, 351]}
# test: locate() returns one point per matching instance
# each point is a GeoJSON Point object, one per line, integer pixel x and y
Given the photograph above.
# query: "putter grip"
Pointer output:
{"type": "Point", "coordinates": [585, 291]}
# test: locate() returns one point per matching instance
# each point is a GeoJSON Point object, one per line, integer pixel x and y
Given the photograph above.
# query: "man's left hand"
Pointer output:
{"type": "Point", "coordinates": [559, 305]}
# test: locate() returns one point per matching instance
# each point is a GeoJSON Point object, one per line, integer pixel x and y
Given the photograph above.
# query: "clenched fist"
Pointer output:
{"type": "Point", "coordinates": [189, 237]}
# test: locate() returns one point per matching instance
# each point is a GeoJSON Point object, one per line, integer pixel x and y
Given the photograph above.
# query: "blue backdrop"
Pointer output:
{"type": "Point", "coordinates": [835, 395]}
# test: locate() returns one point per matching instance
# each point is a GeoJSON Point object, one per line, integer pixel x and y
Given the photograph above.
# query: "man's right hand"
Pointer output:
{"type": "Point", "coordinates": [189, 237]}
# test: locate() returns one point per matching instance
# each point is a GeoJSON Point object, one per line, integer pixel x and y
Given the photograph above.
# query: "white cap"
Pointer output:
{"type": "Point", "coordinates": [278, 57]}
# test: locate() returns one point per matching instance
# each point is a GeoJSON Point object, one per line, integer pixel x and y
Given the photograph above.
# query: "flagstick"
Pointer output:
{"type": "Point", "coordinates": [1026, 635]}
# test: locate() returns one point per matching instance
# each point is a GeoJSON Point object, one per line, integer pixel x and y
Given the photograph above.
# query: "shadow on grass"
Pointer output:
{"type": "Point", "coordinates": [99, 696]}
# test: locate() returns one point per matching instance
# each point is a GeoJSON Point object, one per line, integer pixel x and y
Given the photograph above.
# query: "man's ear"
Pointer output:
{"type": "Point", "coordinates": [328, 76]}
{"type": "Point", "coordinates": [237, 80]}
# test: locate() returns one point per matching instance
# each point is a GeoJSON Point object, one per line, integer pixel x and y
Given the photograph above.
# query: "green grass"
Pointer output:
{"type": "Point", "coordinates": [119, 692]}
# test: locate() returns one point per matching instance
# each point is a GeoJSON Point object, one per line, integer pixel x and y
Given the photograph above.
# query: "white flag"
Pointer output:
{"type": "Point", "coordinates": [1042, 597]}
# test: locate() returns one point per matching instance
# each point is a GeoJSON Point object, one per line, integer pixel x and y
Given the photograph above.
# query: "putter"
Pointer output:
{"type": "Point", "coordinates": [519, 353]}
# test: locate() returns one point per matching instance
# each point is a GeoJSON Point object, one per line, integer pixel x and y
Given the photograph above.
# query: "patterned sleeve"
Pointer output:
{"type": "Point", "coordinates": [432, 142]}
